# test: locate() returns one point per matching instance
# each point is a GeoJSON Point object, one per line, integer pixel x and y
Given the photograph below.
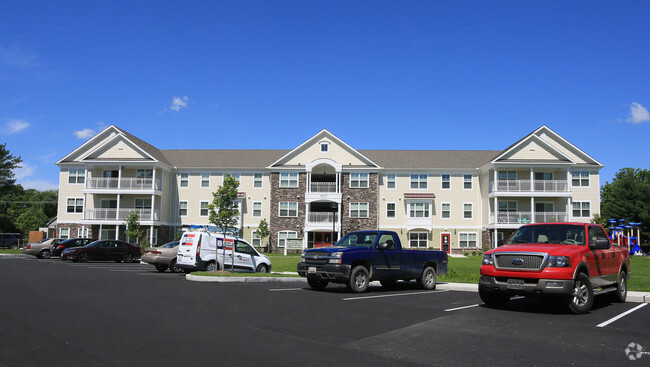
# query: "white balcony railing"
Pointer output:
{"type": "Point", "coordinates": [323, 187]}
{"type": "Point", "coordinates": [541, 217]}
{"type": "Point", "coordinates": [526, 217]}
{"type": "Point", "coordinates": [124, 183]}
{"type": "Point", "coordinates": [322, 217]}
{"type": "Point", "coordinates": [119, 214]}
{"type": "Point", "coordinates": [525, 186]}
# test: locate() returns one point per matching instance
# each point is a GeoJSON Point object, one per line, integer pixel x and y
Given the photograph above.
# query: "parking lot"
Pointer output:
{"type": "Point", "coordinates": [107, 314]}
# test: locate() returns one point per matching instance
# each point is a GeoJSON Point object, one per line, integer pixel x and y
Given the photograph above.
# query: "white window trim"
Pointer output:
{"type": "Point", "coordinates": [442, 210]}
{"type": "Point", "coordinates": [359, 180]}
{"type": "Point", "coordinates": [472, 211]}
{"type": "Point", "coordinates": [67, 230]}
{"type": "Point", "coordinates": [359, 209]}
{"type": "Point", "coordinates": [75, 198]}
{"type": "Point", "coordinates": [235, 175]}
{"type": "Point", "coordinates": [79, 172]}
{"type": "Point", "coordinates": [418, 232]}
{"type": "Point", "coordinates": [581, 202]}
{"type": "Point", "coordinates": [427, 211]}
{"type": "Point", "coordinates": [261, 181]}
{"type": "Point", "coordinates": [187, 208]}
{"type": "Point", "coordinates": [135, 201]}
{"type": "Point", "coordinates": [442, 181]}
{"type": "Point", "coordinates": [261, 209]}
{"type": "Point", "coordinates": [254, 237]}
{"type": "Point", "coordinates": [180, 180]}
{"type": "Point", "coordinates": [288, 209]}
{"type": "Point", "coordinates": [200, 208]}
{"type": "Point", "coordinates": [426, 181]}
{"type": "Point", "coordinates": [289, 180]}
{"type": "Point", "coordinates": [394, 181]}
{"type": "Point", "coordinates": [395, 210]}
{"type": "Point", "coordinates": [580, 186]}
{"type": "Point", "coordinates": [467, 240]}
{"type": "Point", "coordinates": [325, 144]}
{"type": "Point", "coordinates": [202, 180]}
{"type": "Point", "coordinates": [471, 182]}
{"type": "Point", "coordinates": [279, 239]}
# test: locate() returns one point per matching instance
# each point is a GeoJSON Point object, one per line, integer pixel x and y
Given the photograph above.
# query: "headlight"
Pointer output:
{"type": "Point", "coordinates": [335, 258]}
{"type": "Point", "coordinates": [558, 262]}
{"type": "Point", "coordinates": [302, 257]}
{"type": "Point", "coordinates": [488, 259]}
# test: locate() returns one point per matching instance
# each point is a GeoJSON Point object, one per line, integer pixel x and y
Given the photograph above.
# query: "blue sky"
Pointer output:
{"type": "Point", "coordinates": [271, 74]}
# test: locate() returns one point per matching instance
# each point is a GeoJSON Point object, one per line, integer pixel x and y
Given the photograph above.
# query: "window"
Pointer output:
{"type": "Point", "coordinates": [418, 239]}
{"type": "Point", "coordinates": [143, 173]}
{"type": "Point", "coordinates": [418, 210]}
{"type": "Point", "coordinates": [419, 182]}
{"type": "Point", "coordinates": [580, 179]}
{"type": "Point", "coordinates": [582, 209]}
{"type": "Point", "coordinates": [257, 241]}
{"type": "Point", "coordinates": [358, 180]}
{"type": "Point", "coordinates": [544, 207]}
{"type": "Point", "coordinates": [283, 235]}
{"type": "Point", "coordinates": [445, 210]}
{"type": "Point", "coordinates": [390, 210]}
{"type": "Point", "coordinates": [289, 179]}
{"type": "Point", "coordinates": [288, 209]}
{"type": "Point", "coordinates": [467, 182]}
{"type": "Point", "coordinates": [205, 180]}
{"type": "Point", "coordinates": [257, 180]}
{"type": "Point", "coordinates": [543, 176]}
{"type": "Point", "coordinates": [446, 182]}
{"type": "Point", "coordinates": [185, 179]}
{"type": "Point", "coordinates": [76, 175]}
{"type": "Point", "coordinates": [324, 147]}
{"type": "Point", "coordinates": [75, 205]}
{"type": "Point", "coordinates": [467, 210]}
{"type": "Point", "coordinates": [82, 232]}
{"type": "Point", "coordinates": [141, 203]}
{"type": "Point", "coordinates": [204, 210]}
{"type": "Point", "coordinates": [154, 240]}
{"type": "Point", "coordinates": [358, 210]}
{"type": "Point", "coordinates": [507, 206]}
{"type": "Point", "coordinates": [467, 239]}
{"type": "Point", "coordinates": [234, 175]}
{"type": "Point", "coordinates": [257, 209]}
{"type": "Point", "coordinates": [64, 233]}
{"type": "Point", "coordinates": [390, 181]}
{"type": "Point", "coordinates": [507, 175]}
{"type": "Point", "coordinates": [182, 208]}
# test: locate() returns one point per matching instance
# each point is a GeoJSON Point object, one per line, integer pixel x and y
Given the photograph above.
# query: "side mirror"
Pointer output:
{"type": "Point", "coordinates": [601, 244]}
{"type": "Point", "coordinates": [382, 246]}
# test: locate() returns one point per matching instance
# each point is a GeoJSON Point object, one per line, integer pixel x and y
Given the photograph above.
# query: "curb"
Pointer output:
{"type": "Point", "coordinates": [640, 297]}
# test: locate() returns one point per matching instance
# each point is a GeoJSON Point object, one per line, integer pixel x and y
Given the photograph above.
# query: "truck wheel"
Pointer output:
{"type": "Point", "coordinates": [211, 266]}
{"type": "Point", "coordinates": [582, 296]}
{"type": "Point", "coordinates": [621, 288]}
{"type": "Point", "coordinates": [317, 284]}
{"type": "Point", "coordinates": [358, 282]}
{"type": "Point", "coordinates": [493, 300]}
{"type": "Point", "coordinates": [428, 280]}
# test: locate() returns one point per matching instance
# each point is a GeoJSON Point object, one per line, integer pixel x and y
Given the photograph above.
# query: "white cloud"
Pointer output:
{"type": "Point", "coordinates": [24, 170]}
{"type": "Point", "coordinates": [85, 133]}
{"type": "Point", "coordinates": [23, 174]}
{"type": "Point", "coordinates": [15, 126]}
{"type": "Point", "coordinates": [179, 103]}
{"type": "Point", "coordinates": [638, 114]}
{"type": "Point", "coordinates": [40, 185]}
{"type": "Point", "coordinates": [18, 57]}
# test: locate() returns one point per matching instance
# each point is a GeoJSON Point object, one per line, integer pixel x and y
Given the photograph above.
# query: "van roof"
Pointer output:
{"type": "Point", "coordinates": [211, 234]}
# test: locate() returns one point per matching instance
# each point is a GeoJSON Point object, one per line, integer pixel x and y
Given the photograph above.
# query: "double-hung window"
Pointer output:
{"type": "Point", "coordinates": [467, 239]}
{"type": "Point", "coordinates": [467, 182]}
{"type": "Point", "coordinates": [358, 180]}
{"type": "Point", "coordinates": [580, 178]}
{"type": "Point", "coordinates": [76, 175]}
{"type": "Point", "coordinates": [419, 182]}
{"type": "Point", "coordinates": [467, 210]}
{"type": "Point", "coordinates": [257, 209]}
{"type": "Point", "coordinates": [75, 205]}
{"type": "Point", "coordinates": [204, 210]}
{"type": "Point", "coordinates": [446, 182]}
{"type": "Point", "coordinates": [288, 209]}
{"type": "Point", "coordinates": [582, 209]}
{"type": "Point", "coordinates": [358, 210]}
{"type": "Point", "coordinates": [445, 210]}
{"type": "Point", "coordinates": [288, 179]}
{"type": "Point", "coordinates": [182, 208]}
{"type": "Point", "coordinates": [418, 239]}
{"type": "Point", "coordinates": [257, 180]}
{"type": "Point", "coordinates": [390, 181]}
{"type": "Point", "coordinates": [419, 210]}
{"type": "Point", "coordinates": [185, 179]}
{"type": "Point", "coordinates": [390, 211]}
{"type": "Point", "coordinates": [205, 180]}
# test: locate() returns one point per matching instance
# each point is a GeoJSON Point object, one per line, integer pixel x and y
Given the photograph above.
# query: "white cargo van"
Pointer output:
{"type": "Point", "coordinates": [203, 250]}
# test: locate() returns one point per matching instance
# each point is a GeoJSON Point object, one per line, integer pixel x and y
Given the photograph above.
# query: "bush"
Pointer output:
{"type": "Point", "coordinates": [645, 247]}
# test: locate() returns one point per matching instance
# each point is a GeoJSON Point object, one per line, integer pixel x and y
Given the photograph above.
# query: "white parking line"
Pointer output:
{"type": "Point", "coordinates": [603, 324]}
{"type": "Point", "coordinates": [392, 295]}
{"type": "Point", "coordinates": [462, 308]}
{"type": "Point", "coordinates": [285, 289]}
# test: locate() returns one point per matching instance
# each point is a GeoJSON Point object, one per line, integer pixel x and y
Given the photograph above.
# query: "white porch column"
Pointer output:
{"type": "Point", "coordinates": [153, 179]}
{"type": "Point", "coordinates": [532, 179]}
{"type": "Point", "coordinates": [496, 177]}
{"type": "Point", "coordinates": [119, 177]}
{"type": "Point", "coordinates": [117, 232]}
{"type": "Point", "coordinates": [99, 237]}
{"type": "Point", "coordinates": [151, 236]}
{"type": "Point", "coordinates": [153, 206]}
{"type": "Point", "coordinates": [117, 210]}
{"type": "Point", "coordinates": [532, 209]}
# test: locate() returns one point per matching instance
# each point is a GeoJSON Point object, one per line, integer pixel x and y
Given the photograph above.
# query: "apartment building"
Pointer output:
{"type": "Point", "coordinates": [457, 201]}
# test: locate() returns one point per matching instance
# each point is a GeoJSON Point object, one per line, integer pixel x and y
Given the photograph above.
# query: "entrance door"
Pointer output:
{"type": "Point", "coordinates": [445, 240]}
{"type": "Point", "coordinates": [322, 239]}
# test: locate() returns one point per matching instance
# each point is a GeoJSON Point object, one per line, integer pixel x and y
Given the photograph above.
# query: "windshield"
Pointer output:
{"type": "Point", "coordinates": [356, 239]}
{"type": "Point", "coordinates": [170, 245]}
{"type": "Point", "coordinates": [566, 234]}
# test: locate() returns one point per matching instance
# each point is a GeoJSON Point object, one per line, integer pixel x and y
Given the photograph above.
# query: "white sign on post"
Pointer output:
{"type": "Point", "coordinates": [292, 244]}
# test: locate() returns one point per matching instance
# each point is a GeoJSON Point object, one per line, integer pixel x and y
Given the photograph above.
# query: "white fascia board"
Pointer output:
{"type": "Point", "coordinates": [91, 140]}
{"type": "Point", "coordinates": [570, 144]}
{"type": "Point", "coordinates": [111, 140]}
{"type": "Point", "coordinates": [527, 140]}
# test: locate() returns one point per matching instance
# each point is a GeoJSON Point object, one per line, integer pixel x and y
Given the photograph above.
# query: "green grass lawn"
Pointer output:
{"type": "Point", "coordinates": [9, 251]}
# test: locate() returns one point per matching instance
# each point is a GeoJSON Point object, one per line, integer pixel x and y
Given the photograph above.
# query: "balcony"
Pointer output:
{"type": "Point", "coordinates": [317, 218]}
{"type": "Point", "coordinates": [519, 218]}
{"type": "Point", "coordinates": [323, 187]}
{"type": "Point", "coordinates": [112, 184]}
{"type": "Point", "coordinates": [112, 214]}
{"type": "Point", "coordinates": [529, 187]}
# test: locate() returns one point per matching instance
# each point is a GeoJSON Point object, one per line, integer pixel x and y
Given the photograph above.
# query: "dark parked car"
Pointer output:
{"type": "Point", "coordinates": [106, 250]}
{"type": "Point", "coordinates": [72, 242]}
{"type": "Point", "coordinates": [11, 240]}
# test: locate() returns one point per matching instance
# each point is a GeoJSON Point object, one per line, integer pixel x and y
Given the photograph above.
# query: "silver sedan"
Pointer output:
{"type": "Point", "coordinates": [42, 249]}
{"type": "Point", "coordinates": [162, 257]}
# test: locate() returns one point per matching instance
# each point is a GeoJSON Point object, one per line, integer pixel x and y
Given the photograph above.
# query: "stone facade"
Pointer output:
{"type": "Point", "coordinates": [359, 195]}
{"type": "Point", "coordinates": [289, 194]}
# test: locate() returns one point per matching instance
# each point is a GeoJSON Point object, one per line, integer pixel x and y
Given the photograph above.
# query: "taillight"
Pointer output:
{"type": "Point", "coordinates": [60, 247]}
{"type": "Point", "coordinates": [29, 246]}
{"type": "Point", "coordinates": [198, 249]}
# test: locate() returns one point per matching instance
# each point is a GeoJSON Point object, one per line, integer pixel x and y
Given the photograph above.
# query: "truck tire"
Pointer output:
{"type": "Point", "coordinates": [582, 296]}
{"type": "Point", "coordinates": [621, 288]}
{"type": "Point", "coordinates": [428, 280]}
{"type": "Point", "coordinates": [317, 284]}
{"type": "Point", "coordinates": [358, 282]}
{"type": "Point", "coordinates": [493, 300]}
{"type": "Point", "coordinates": [211, 266]}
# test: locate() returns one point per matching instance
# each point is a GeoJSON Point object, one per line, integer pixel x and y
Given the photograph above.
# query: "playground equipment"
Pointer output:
{"type": "Point", "coordinates": [623, 234]}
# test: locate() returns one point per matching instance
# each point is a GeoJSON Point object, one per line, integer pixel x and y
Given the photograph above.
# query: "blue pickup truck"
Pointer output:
{"type": "Point", "coordinates": [363, 256]}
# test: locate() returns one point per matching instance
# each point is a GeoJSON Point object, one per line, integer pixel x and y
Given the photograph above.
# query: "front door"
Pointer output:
{"type": "Point", "coordinates": [445, 240]}
{"type": "Point", "coordinates": [322, 239]}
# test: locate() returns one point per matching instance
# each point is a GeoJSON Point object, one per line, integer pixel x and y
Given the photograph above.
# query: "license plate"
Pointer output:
{"type": "Point", "coordinates": [515, 284]}
{"type": "Point", "coordinates": [312, 270]}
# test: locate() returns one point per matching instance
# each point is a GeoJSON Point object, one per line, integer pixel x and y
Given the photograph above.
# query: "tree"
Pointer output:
{"type": "Point", "coordinates": [133, 229]}
{"type": "Point", "coordinates": [628, 197]}
{"type": "Point", "coordinates": [224, 212]}
{"type": "Point", "coordinates": [263, 231]}
{"type": "Point", "coordinates": [8, 187]}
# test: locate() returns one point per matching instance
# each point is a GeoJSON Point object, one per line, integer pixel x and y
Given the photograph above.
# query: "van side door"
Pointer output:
{"type": "Point", "coordinates": [244, 256]}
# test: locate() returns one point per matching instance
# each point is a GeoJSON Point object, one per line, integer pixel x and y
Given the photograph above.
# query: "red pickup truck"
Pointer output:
{"type": "Point", "coordinates": [570, 260]}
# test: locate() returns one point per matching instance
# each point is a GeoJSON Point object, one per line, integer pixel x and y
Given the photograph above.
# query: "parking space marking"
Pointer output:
{"type": "Point", "coordinates": [285, 289]}
{"type": "Point", "coordinates": [603, 324]}
{"type": "Point", "coordinates": [392, 295]}
{"type": "Point", "coordinates": [462, 308]}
